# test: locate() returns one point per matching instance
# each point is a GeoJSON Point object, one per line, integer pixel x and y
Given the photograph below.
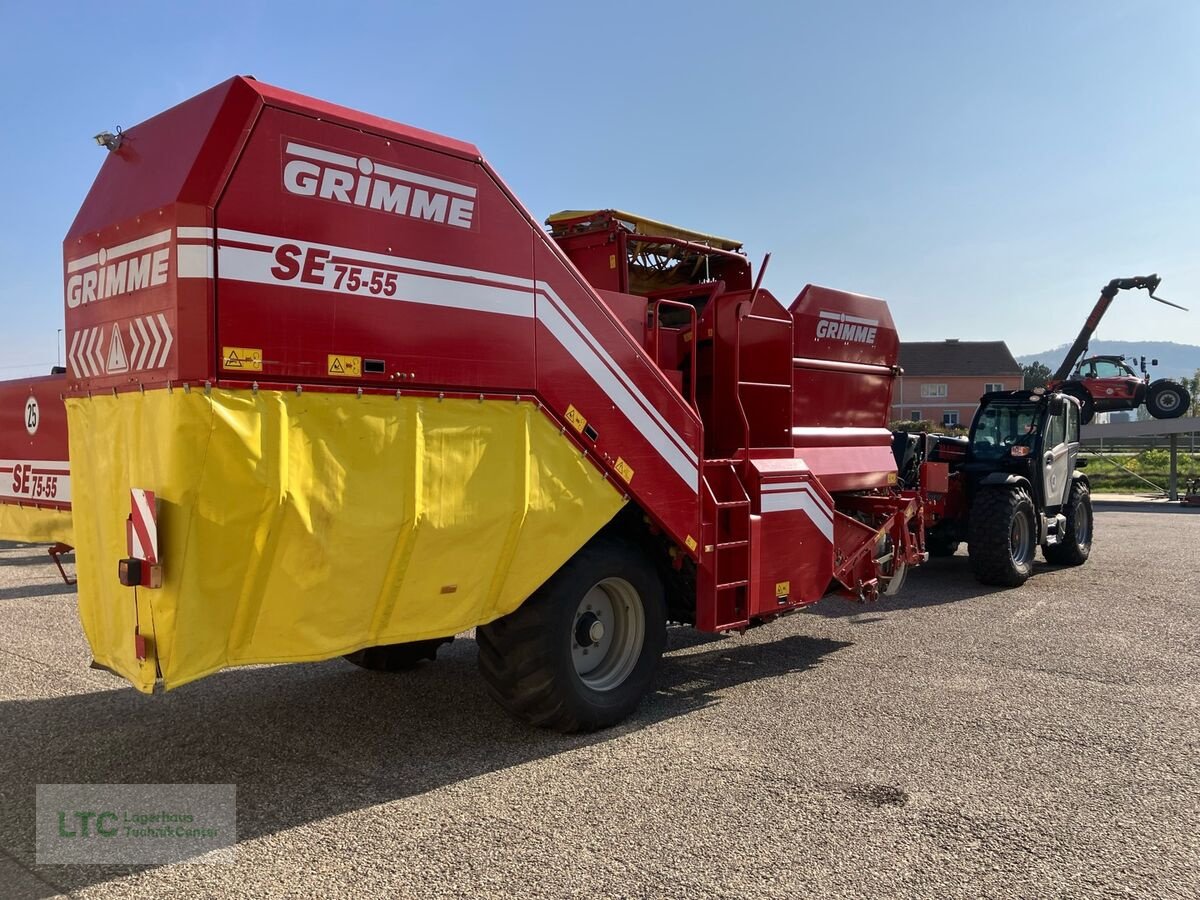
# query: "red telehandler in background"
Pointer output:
{"type": "Point", "coordinates": [1106, 383]}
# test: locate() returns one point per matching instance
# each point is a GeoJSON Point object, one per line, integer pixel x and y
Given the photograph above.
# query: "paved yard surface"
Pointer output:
{"type": "Point", "coordinates": [955, 742]}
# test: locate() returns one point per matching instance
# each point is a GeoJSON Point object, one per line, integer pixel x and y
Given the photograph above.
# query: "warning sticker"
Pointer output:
{"type": "Point", "coordinates": [691, 543]}
{"type": "Point", "coordinates": [624, 469]}
{"type": "Point", "coordinates": [118, 361]}
{"type": "Point", "coordinates": [345, 366]}
{"type": "Point", "coordinates": [241, 359]}
{"type": "Point", "coordinates": [782, 589]}
{"type": "Point", "coordinates": [572, 415]}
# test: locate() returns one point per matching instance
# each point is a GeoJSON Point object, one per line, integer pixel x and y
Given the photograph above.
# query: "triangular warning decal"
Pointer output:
{"type": "Point", "coordinates": [233, 361]}
{"type": "Point", "coordinates": [117, 360]}
{"type": "Point", "coordinates": [335, 367]}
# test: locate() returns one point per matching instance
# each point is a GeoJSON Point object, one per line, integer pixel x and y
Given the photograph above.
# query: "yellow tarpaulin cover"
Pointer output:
{"type": "Point", "coordinates": [35, 526]}
{"type": "Point", "coordinates": [301, 527]}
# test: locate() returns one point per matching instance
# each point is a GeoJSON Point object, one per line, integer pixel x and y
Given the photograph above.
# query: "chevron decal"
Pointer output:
{"type": "Point", "coordinates": [143, 343]}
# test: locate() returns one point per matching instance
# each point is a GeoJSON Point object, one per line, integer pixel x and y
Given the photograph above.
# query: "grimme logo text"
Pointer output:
{"type": "Point", "coordinates": [123, 269]}
{"type": "Point", "coordinates": [359, 181]}
{"type": "Point", "coordinates": [845, 327]}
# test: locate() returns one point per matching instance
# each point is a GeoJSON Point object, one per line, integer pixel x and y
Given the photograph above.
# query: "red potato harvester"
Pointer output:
{"type": "Point", "coordinates": [331, 390]}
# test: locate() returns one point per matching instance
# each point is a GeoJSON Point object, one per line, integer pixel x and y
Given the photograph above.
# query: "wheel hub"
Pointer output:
{"type": "Point", "coordinates": [607, 634]}
{"type": "Point", "coordinates": [1020, 539]}
{"type": "Point", "coordinates": [589, 630]}
{"type": "Point", "coordinates": [1083, 527]}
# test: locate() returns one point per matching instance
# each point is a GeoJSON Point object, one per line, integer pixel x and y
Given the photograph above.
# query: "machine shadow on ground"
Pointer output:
{"type": "Point", "coordinates": [31, 560]}
{"type": "Point", "coordinates": [24, 591]}
{"type": "Point", "coordinates": [937, 582]}
{"type": "Point", "coordinates": [308, 741]}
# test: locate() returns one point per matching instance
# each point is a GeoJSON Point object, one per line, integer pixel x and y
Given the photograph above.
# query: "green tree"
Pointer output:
{"type": "Point", "coordinates": [1193, 388]}
{"type": "Point", "coordinates": [1036, 375]}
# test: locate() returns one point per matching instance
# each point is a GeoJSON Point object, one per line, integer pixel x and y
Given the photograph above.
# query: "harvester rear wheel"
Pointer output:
{"type": "Point", "coordinates": [1075, 546]}
{"type": "Point", "coordinates": [580, 653]}
{"type": "Point", "coordinates": [1002, 536]}
{"type": "Point", "coordinates": [396, 657]}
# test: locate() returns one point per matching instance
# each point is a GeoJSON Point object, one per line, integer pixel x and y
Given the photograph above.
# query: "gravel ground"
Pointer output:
{"type": "Point", "coordinates": [957, 741]}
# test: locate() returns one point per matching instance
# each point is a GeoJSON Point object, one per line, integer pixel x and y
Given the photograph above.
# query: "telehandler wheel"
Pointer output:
{"type": "Point", "coordinates": [1076, 543]}
{"type": "Point", "coordinates": [396, 657]}
{"type": "Point", "coordinates": [1087, 406]}
{"type": "Point", "coordinates": [1167, 400]}
{"type": "Point", "coordinates": [1002, 536]}
{"type": "Point", "coordinates": [581, 651]}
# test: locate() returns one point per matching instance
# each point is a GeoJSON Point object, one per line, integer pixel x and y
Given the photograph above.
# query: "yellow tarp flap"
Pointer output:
{"type": "Point", "coordinates": [34, 525]}
{"type": "Point", "coordinates": [301, 527]}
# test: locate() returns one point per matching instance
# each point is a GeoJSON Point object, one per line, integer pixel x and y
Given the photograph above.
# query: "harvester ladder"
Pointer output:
{"type": "Point", "coordinates": [727, 515]}
{"type": "Point", "coordinates": [725, 603]}
{"type": "Point", "coordinates": [784, 388]}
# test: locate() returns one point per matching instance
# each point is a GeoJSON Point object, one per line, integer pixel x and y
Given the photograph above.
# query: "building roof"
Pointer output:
{"type": "Point", "coordinates": [953, 357]}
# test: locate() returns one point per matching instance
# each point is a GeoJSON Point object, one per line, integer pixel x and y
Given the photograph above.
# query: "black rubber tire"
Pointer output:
{"type": "Point", "coordinates": [994, 516]}
{"type": "Point", "coordinates": [1167, 400]}
{"type": "Point", "coordinates": [396, 657]}
{"type": "Point", "coordinates": [526, 656]}
{"type": "Point", "coordinates": [1072, 551]}
{"type": "Point", "coordinates": [1087, 406]}
{"type": "Point", "coordinates": [939, 544]}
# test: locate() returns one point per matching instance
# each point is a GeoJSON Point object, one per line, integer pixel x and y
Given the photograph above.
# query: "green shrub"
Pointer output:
{"type": "Point", "coordinates": [925, 426]}
{"type": "Point", "coordinates": [1155, 460]}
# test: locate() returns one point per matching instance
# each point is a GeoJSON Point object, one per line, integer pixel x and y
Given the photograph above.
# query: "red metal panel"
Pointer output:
{"type": "Point", "coordinates": [587, 360]}
{"type": "Point", "coordinates": [360, 121]}
{"type": "Point", "coordinates": [33, 442]}
{"type": "Point", "coordinates": [127, 305]}
{"type": "Point", "coordinates": [849, 468]}
{"type": "Point", "coordinates": [797, 533]}
{"type": "Point", "coordinates": [129, 294]}
{"type": "Point", "coordinates": [599, 257]}
{"type": "Point", "coordinates": [857, 339]}
{"type": "Point", "coordinates": [935, 477]}
{"type": "Point", "coordinates": [303, 275]}
{"type": "Point", "coordinates": [177, 156]}
{"type": "Point", "coordinates": [738, 347]}
{"type": "Point", "coordinates": [839, 325]}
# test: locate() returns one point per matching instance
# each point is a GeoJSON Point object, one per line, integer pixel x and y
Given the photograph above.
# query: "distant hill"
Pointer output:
{"type": "Point", "coordinates": [1174, 360]}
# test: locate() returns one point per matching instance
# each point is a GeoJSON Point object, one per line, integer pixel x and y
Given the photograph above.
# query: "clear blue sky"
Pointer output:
{"type": "Point", "coordinates": [984, 167]}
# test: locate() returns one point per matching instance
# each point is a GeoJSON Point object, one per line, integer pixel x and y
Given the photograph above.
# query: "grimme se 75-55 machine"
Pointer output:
{"type": "Point", "coordinates": [331, 390]}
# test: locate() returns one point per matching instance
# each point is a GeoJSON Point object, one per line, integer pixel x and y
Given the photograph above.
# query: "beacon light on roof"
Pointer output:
{"type": "Point", "coordinates": [108, 140]}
